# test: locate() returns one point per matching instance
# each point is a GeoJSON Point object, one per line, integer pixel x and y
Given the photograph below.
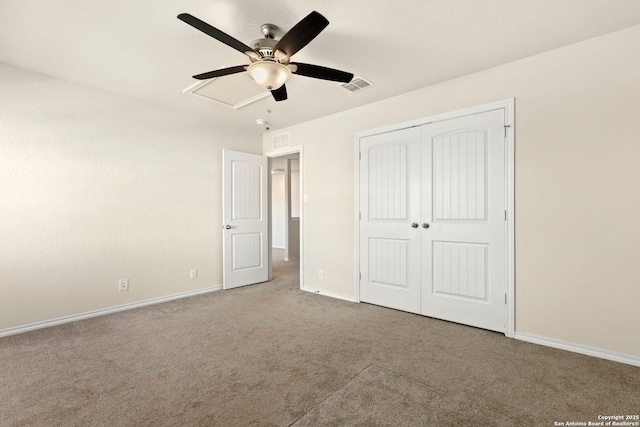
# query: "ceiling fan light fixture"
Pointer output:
{"type": "Point", "coordinates": [269, 74]}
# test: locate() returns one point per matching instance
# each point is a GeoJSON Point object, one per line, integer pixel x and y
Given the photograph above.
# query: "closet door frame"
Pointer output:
{"type": "Point", "coordinates": [508, 106]}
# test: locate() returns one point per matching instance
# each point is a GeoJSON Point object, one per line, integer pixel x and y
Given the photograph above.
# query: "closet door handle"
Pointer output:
{"type": "Point", "coordinates": [414, 225]}
{"type": "Point", "coordinates": [425, 225]}
{"type": "Point", "coordinates": [228, 227]}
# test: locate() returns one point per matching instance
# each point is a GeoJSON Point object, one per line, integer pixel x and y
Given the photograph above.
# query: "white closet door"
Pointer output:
{"type": "Point", "coordinates": [389, 204]}
{"type": "Point", "coordinates": [245, 219]}
{"type": "Point", "coordinates": [463, 194]}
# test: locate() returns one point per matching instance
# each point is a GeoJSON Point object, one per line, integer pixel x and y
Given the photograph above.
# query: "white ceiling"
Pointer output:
{"type": "Point", "coordinates": [141, 50]}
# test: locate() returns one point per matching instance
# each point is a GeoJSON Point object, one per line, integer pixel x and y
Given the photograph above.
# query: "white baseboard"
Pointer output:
{"type": "Point", "coordinates": [101, 312]}
{"type": "Point", "coordinates": [579, 348]}
{"type": "Point", "coordinates": [548, 342]}
{"type": "Point", "coordinates": [328, 294]}
{"type": "Point", "coordinates": [278, 247]}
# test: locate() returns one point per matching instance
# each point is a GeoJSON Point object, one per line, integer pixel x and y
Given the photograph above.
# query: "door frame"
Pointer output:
{"type": "Point", "coordinates": [279, 153]}
{"type": "Point", "coordinates": [508, 105]}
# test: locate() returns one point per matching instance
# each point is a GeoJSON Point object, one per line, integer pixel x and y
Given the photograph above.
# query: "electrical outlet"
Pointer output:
{"type": "Point", "coordinates": [193, 274]}
{"type": "Point", "coordinates": [123, 285]}
{"type": "Point", "coordinates": [320, 274]}
{"type": "Point", "coordinates": [305, 198]}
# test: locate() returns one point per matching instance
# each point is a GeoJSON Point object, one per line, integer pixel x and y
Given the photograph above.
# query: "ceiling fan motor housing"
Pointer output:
{"type": "Point", "coordinates": [264, 47]}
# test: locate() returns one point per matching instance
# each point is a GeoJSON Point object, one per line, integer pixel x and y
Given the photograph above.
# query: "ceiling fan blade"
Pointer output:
{"type": "Point", "coordinates": [318, 72]}
{"type": "Point", "coordinates": [221, 72]}
{"type": "Point", "coordinates": [280, 94]}
{"type": "Point", "coordinates": [302, 33]}
{"type": "Point", "coordinates": [215, 33]}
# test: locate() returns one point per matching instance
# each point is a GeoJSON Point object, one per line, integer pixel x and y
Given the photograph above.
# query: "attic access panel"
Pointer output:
{"type": "Point", "coordinates": [236, 91]}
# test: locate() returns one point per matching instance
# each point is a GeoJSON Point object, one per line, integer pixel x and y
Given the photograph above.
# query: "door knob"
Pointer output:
{"type": "Point", "coordinates": [414, 225]}
{"type": "Point", "coordinates": [425, 225]}
{"type": "Point", "coordinates": [228, 227]}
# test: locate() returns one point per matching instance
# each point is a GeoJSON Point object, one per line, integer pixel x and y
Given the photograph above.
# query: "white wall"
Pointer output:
{"type": "Point", "coordinates": [293, 248]}
{"type": "Point", "coordinates": [293, 220]}
{"type": "Point", "coordinates": [95, 187]}
{"type": "Point", "coordinates": [577, 185]}
{"type": "Point", "coordinates": [295, 188]}
{"type": "Point", "coordinates": [278, 219]}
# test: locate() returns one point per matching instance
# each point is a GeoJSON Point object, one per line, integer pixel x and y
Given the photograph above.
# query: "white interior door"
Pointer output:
{"type": "Point", "coordinates": [463, 199]}
{"type": "Point", "coordinates": [244, 218]}
{"type": "Point", "coordinates": [389, 205]}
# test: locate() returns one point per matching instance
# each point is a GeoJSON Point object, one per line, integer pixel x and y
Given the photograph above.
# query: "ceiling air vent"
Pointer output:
{"type": "Point", "coordinates": [281, 140]}
{"type": "Point", "coordinates": [358, 83]}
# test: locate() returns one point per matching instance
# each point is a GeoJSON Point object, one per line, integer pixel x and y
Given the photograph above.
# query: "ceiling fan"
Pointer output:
{"type": "Point", "coordinates": [270, 58]}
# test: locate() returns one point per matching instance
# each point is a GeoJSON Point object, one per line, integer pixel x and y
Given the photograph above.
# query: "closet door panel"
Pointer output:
{"type": "Point", "coordinates": [463, 268]}
{"type": "Point", "coordinates": [389, 203]}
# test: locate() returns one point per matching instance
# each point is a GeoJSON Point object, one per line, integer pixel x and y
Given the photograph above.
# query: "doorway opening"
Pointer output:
{"type": "Point", "coordinates": [285, 208]}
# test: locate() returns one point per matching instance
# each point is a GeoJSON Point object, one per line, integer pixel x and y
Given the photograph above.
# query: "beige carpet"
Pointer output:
{"type": "Point", "coordinates": [270, 354]}
{"type": "Point", "coordinates": [379, 397]}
